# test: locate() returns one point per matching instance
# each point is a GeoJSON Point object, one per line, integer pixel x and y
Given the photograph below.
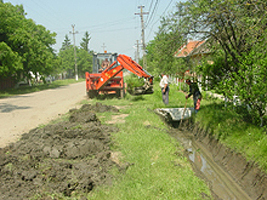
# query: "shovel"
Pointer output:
{"type": "Point", "coordinates": [183, 113]}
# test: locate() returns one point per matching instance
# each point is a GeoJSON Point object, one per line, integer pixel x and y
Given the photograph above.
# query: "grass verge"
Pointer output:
{"type": "Point", "coordinates": [230, 129]}
{"type": "Point", "coordinates": [158, 169]}
{"type": "Point", "coordinates": [36, 88]}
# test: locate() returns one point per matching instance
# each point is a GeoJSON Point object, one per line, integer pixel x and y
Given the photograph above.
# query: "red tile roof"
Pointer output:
{"type": "Point", "coordinates": [188, 49]}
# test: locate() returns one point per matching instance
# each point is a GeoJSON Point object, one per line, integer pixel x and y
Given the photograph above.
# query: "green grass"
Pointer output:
{"type": "Point", "coordinates": [36, 88]}
{"type": "Point", "coordinates": [158, 168]}
{"type": "Point", "coordinates": [231, 130]}
{"type": "Point", "coordinates": [160, 171]}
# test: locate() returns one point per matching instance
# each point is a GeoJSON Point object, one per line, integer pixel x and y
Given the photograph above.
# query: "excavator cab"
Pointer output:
{"type": "Point", "coordinates": [99, 81]}
{"type": "Point", "coordinates": [102, 60]}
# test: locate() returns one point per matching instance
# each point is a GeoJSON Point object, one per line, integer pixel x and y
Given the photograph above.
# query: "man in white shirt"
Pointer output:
{"type": "Point", "coordinates": [164, 86]}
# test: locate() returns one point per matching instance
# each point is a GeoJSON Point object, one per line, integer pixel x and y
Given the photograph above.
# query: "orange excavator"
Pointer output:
{"type": "Point", "coordinates": [108, 78]}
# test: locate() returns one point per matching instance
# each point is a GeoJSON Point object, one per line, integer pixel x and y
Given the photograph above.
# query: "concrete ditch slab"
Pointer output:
{"type": "Point", "coordinates": [175, 114]}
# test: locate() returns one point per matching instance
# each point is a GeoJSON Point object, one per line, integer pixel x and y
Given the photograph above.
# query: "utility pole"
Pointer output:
{"type": "Point", "coordinates": [143, 34]}
{"type": "Point", "coordinates": [75, 57]}
{"type": "Point", "coordinates": [137, 51]}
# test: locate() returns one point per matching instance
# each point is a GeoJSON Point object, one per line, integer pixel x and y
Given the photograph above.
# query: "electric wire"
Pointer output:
{"type": "Point", "coordinates": [52, 17]}
{"type": "Point", "coordinates": [152, 15]}
{"type": "Point", "coordinates": [50, 11]}
{"type": "Point", "coordinates": [159, 18]}
{"type": "Point", "coordinates": [149, 10]}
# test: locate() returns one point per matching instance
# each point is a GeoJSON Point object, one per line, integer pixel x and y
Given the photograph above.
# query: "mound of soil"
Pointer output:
{"type": "Point", "coordinates": [64, 158]}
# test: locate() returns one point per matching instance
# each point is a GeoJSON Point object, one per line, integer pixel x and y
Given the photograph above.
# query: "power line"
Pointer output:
{"type": "Point", "coordinates": [150, 6]}
{"type": "Point", "coordinates": [101, 29]}
{"type": "Point", "coordinates": [160, 17]}
{"type": "Point", "coordinates": [48, 9]}
{"type": "Point", "coordinates": [108, 24]}
{"type": "Point", "coordinates": [151, 16]}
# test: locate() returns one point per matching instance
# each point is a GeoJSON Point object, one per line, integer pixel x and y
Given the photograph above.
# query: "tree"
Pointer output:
{"type": "Point", "coordinates": [66, 44]}
{"type": "Point", "coordinates": [85, 41]}
{"type": "Point", "coordinates": [84, 62]}
{"type": "Point", "coordinates": [84, 57]}
{"type": "Point", "coordinates": [10, 62]}
{"type": "Point", "coordinates": [67, 61]}
{"type": "Point", "coordinates": [31, 43]}
{"type": "Point", "coordinates": [236, 31]}
{"type": "Point", "coordinates": [160, 51]}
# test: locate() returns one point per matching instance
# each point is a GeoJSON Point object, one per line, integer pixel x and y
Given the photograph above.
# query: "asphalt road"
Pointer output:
{"type": "Point", "coordinates": [19, 114]}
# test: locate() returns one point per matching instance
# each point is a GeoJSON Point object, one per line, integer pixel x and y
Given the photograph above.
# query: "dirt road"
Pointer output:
{"type": "Point", "coordinates": [19, 114]}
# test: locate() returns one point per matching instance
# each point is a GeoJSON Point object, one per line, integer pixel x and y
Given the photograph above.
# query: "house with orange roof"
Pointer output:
{"type": "Point", "coordinates": [193, 49]}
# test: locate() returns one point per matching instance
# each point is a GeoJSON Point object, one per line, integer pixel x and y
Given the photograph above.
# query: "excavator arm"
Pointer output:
{"type": "Point", "coordinates": [125, 63]}
{"type": "Point", "coordinates": [111, 80]}
{"type": "Point", "coordinates": [132, 66]}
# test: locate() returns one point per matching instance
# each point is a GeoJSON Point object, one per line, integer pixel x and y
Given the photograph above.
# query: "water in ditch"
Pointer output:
{"type": "Point", "coordinates": [221, 183]}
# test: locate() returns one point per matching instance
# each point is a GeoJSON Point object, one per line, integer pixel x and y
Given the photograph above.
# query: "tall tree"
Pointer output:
{"type": "Point", "coordinates": [237, 32]}
{"type": "Point", "coordinates": [66, 44]}
{"type": "Point", "coordinates": [31, 43]}
{"type": "Point", "coordinates": [67, 60]}
{"type": "Point", "coordinates": [10, 61]}
{"type": "Point", "coordinates": [85, 41]}
{"type": "Point", "coordinates": [161, 50]}
{"type": "Point", "coordinates": [84, 62]}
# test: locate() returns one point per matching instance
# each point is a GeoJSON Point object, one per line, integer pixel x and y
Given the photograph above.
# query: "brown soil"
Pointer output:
{"type": "Point", "coordinates": [64, 158]}
{"type": "Point", "coordinates": [246, 173]}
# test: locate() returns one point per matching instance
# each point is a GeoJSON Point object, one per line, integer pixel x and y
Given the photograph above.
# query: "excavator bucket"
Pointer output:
{"type": "Point", "coordinates": [147, 88]}
{"type": "Point", "coordinates": [138, 70]}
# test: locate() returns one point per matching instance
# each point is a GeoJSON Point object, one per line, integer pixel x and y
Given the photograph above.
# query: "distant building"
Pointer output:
{"type": "Point", "coordinates": [193, 50]}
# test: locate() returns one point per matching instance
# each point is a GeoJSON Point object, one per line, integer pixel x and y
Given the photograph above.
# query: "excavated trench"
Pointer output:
{"type": "Point", "coordinates": [74, 157]}
{"type": "Point", "coordinates": [228, 174]}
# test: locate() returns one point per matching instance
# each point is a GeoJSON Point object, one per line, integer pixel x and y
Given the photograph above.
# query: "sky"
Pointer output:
{"type": "Point", "coordinates": [113, 25]}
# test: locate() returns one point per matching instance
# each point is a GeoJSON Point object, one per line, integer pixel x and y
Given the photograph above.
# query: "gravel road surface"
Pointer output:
{"type": "Point", "coordinates": [19, 114]}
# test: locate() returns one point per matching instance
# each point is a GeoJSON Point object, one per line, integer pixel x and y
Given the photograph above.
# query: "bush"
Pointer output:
{"type": "Point", "coordinates": [134, 81]}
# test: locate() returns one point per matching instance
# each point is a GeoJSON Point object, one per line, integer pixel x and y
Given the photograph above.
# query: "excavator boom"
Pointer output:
{"type": "Point", "coordinates": [132, 66]}
{"type": "Point", "coordinates": [111, 78]}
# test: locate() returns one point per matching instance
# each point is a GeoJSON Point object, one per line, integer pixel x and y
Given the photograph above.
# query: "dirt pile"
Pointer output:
{"type": "Point", "coordinates": [64, 158]}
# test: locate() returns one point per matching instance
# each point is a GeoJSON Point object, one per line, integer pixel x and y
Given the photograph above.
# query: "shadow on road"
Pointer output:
{"type": "Point", "coordinates": [6, 108]}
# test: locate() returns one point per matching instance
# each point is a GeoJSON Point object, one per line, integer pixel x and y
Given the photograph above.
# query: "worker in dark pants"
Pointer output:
{"type": "Point", "coordinates": [197, 96]}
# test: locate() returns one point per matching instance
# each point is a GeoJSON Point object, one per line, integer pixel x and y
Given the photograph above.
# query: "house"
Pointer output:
{"type": "Point", "coordinates": [193, 49]}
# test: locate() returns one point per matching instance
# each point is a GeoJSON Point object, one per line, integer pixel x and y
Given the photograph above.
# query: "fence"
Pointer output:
{"type": "Point", "coordinates": [6, 83]}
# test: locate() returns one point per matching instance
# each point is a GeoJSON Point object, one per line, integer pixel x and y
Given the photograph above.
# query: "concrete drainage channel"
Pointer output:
{"type": "Point", "coordinates": [221, 183]}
